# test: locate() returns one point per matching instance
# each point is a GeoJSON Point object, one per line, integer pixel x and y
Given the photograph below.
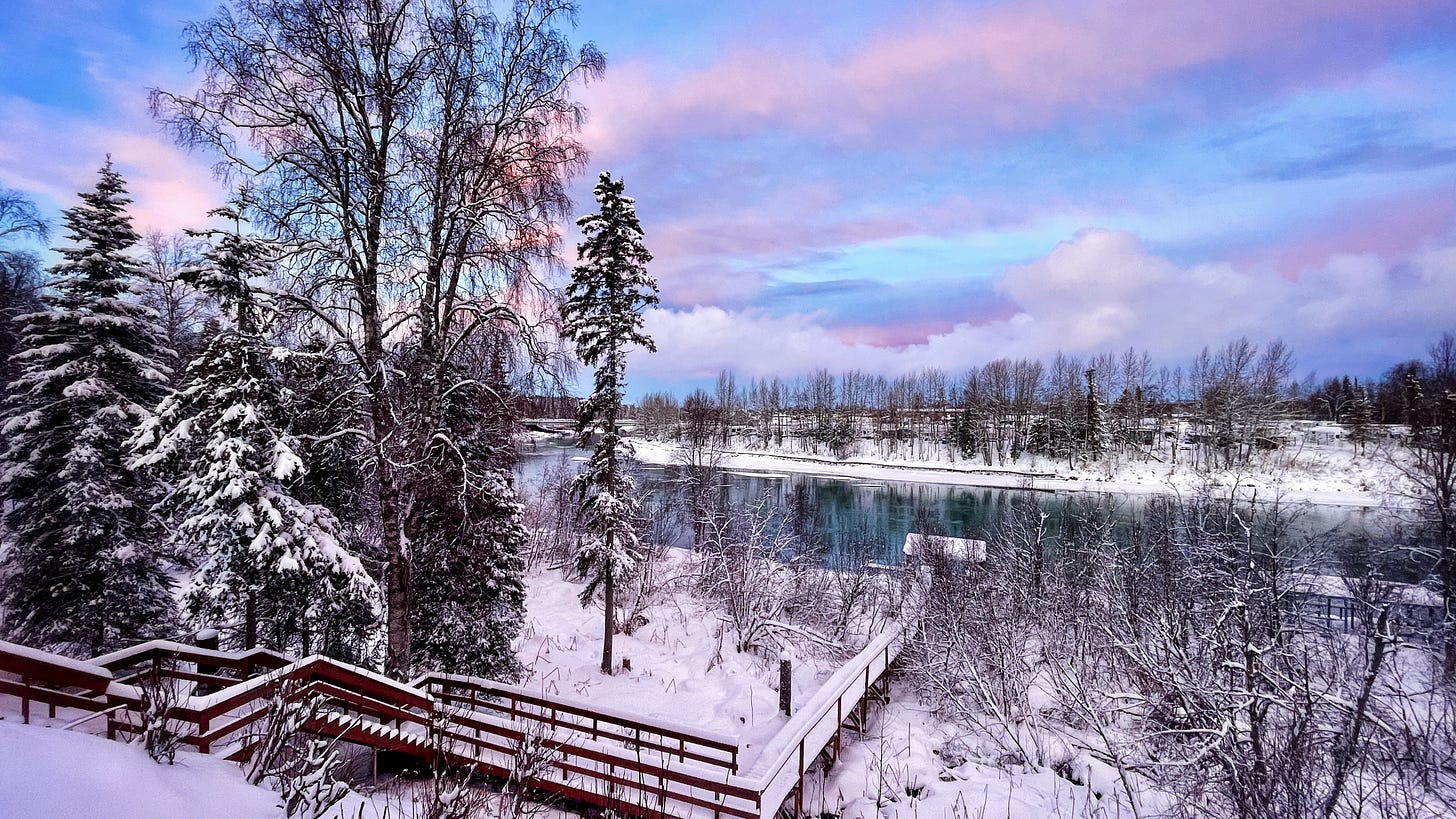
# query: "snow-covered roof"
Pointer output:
{"type": "Point", "coordinates": [957, 547]}
{"type": "Point", "coordinates": [1382, 590]}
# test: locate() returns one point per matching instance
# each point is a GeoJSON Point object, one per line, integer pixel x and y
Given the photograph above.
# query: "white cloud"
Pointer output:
{"type": "Point", "coordinates": [1103, 291]}
{"type": "Point", "coordinates": [54, 155]}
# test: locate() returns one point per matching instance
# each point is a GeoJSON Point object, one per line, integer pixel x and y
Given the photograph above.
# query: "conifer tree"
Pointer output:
{"type": "Point", "coordinates": [83, 572]}
{"type": "Point", "coordinates": [468, 595]}
{"type": "Point", "coordinates": [267, 559]}
{"type": "Point", "coordinates": [1096, 420]}
{"type": "Point", "coordinates": [1415, 409]}
{"type": "Point", "coordinates": [610, 288]}
{"type": "Point", "coordinates": [320, 405]}
{"type": "Point", "coordinates": [1359, 418]}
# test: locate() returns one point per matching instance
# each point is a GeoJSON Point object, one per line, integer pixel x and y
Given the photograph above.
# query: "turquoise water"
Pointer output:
{"type": "Point", "coordinates": [880, 513]}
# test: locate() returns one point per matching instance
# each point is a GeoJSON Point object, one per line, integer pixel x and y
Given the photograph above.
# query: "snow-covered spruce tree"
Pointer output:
{"type": "Point", "coordinates": [266, 560]}
{"type": "Point", "coordinates": [1096, 418]}
{"type": "Point", "coordinates": [83, 573]}
{"type": "Point", "coordinates": [319, 396]}
{"type": "Point", "coordinates": [468, 595]}
{"type": "Point", "coordinates": [1360, 420]}
{"type": "Point", "coordinates": [609, 290]}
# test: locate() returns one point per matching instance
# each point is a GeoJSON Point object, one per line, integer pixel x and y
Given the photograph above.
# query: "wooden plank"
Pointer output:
{"type": "Point", "coordinates": [663, 747]}
{"type": "Point", "coordinates": [51, 696]}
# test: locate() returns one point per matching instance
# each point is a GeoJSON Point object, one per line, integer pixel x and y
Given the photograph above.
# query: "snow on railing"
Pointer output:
{"type": "Point", "coordinates": [632, 773]}
{"type": "Point", "coordinates": [794, 748]}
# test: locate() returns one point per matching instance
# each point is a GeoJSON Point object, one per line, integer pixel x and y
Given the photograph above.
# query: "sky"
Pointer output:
{"type": "Point", "coordinates": [891, 186]}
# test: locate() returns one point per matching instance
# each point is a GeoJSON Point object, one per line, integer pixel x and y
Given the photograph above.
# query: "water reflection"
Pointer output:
{"type": "Point", "coordinates": [881, 512]}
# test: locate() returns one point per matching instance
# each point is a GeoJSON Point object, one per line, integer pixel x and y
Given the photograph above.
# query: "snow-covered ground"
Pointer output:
{"type": "Point", "coordinates": [683, 670]}
{"type": "Point", "coordinates": [911, 765]}
{"type": "Point", "coordinates": [50, 773]}
{"type": "Point", "coordinates": [1314, 472]}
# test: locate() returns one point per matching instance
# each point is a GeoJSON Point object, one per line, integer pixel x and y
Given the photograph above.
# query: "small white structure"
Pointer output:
{"type": "Point", "coordinates": [956, 548]}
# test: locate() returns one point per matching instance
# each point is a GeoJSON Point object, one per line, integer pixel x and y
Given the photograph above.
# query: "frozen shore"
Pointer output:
{"type": "Point", "coordinates": [1321, 476]}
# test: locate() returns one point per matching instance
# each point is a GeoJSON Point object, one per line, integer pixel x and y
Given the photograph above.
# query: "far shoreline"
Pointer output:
{"type": "Point", "coordinates": [663, 454]}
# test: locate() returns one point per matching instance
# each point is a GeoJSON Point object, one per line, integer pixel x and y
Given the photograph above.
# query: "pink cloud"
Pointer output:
{"type": "Point", "coordinates": [907, 334]}
{"type": "Point", "coordinates": [1388, 227]}
{"type": "Point", "coordinates": [55, 155]}
{"type": "Point", "coordinates": [1006, 68]}
{"type": "Point", "coordinates": [1097, 292]}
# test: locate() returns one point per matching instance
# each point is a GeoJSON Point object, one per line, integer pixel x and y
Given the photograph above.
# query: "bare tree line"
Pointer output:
{"type": "Point", "coordinates": [1218, 410]}
{"type": "Point", "coordinates": [1180, 664]}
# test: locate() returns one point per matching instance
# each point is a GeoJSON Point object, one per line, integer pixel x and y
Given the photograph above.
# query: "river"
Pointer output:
{"type": "Point", "coordinates": [882, 512]}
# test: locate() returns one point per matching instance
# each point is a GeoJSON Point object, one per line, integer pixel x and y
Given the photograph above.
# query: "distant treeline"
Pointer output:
{"type": "Point", "coordinates": [1221, 407]}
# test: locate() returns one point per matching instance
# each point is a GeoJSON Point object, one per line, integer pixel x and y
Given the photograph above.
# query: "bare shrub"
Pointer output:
{"type": "Point", "coordinates": [160, 733]}
{"type": "Point", "coordinates": [532, 759]}
{"type": "Point", "coordinates": [300, 767]}
{"type": "Point", "coordinates": [751, 566]}
{"type": "Point", "coordinates": [549, 516]}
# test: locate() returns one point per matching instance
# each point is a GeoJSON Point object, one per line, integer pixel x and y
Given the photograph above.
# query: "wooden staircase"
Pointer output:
{"type": "Point", "coordinates": [611, 759]}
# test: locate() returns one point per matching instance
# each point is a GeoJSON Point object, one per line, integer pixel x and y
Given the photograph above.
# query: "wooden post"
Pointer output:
{"type": "Point", "coordinates": [25, 700]}
{"type": "Point", "coordinates": [206, 639]}
{"type": "Point", "coordinates": [786, 686]}
{"type": "Point", "coordinates": [838, 723]}
{"type": "Point", "coordinates": [475, 708]}
{"type": "Point", "coordinates": [799, 791]}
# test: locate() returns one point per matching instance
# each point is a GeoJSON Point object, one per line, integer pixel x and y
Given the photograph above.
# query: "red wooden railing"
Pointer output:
{"type": "Point", "coordinates": [626, 763]}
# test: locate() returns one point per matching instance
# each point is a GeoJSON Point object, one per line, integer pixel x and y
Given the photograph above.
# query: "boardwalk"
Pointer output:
{"type": "Point", "coordinates": [612, 760]}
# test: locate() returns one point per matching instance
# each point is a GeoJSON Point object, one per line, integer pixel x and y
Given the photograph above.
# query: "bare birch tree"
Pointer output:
{"type": "Point", "coordinates": [412, 157]}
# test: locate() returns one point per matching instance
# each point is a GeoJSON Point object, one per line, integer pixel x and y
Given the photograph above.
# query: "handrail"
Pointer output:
{"type": "Point", "coordinates": [46, 667]}
{"type": "Point", "coordinates": [821, 718]}
{"type": "Point", "coordinates": [596, 762]}
{"type": "Point", "coordinates": [708, 738]}
{"type": "Point", "coordinates": [167, 649]}
{"type": "Point", "coordinates": [674, 739]}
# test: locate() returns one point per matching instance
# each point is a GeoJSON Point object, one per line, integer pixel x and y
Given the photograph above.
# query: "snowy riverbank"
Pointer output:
{"type": "Point", "coordinates": [1317, 474]}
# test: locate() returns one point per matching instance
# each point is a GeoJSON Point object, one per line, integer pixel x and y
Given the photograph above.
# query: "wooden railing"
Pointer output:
{"type": "Point", "coordinates": [51, 680]}
{"type": "Point", "coordinates": [779, 771]}
{"type": "Point", "coordinates": [613, 760]}
{"type": "Point", "coordinates": [662, 738]}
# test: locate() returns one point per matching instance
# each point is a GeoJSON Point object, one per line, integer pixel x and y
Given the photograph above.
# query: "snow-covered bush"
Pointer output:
{"type": "Point", "coordinates": [751, 566]}
{"type": "Point", "coordinates": [532, 759]}
{"type": "Point", "coordinates": [302, 768]}
{"type": "Point", "coordinates": [161, 735]}
{"type": "Point", "coordinates": [1181, 662]}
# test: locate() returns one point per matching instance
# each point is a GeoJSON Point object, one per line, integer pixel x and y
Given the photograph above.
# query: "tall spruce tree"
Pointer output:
{"type": "Point", "coordinates": [602, 315]}
{"type": "Point", "coordinates": [83, 572]}
{"type": "Point", "coordinates": [266, 559]}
